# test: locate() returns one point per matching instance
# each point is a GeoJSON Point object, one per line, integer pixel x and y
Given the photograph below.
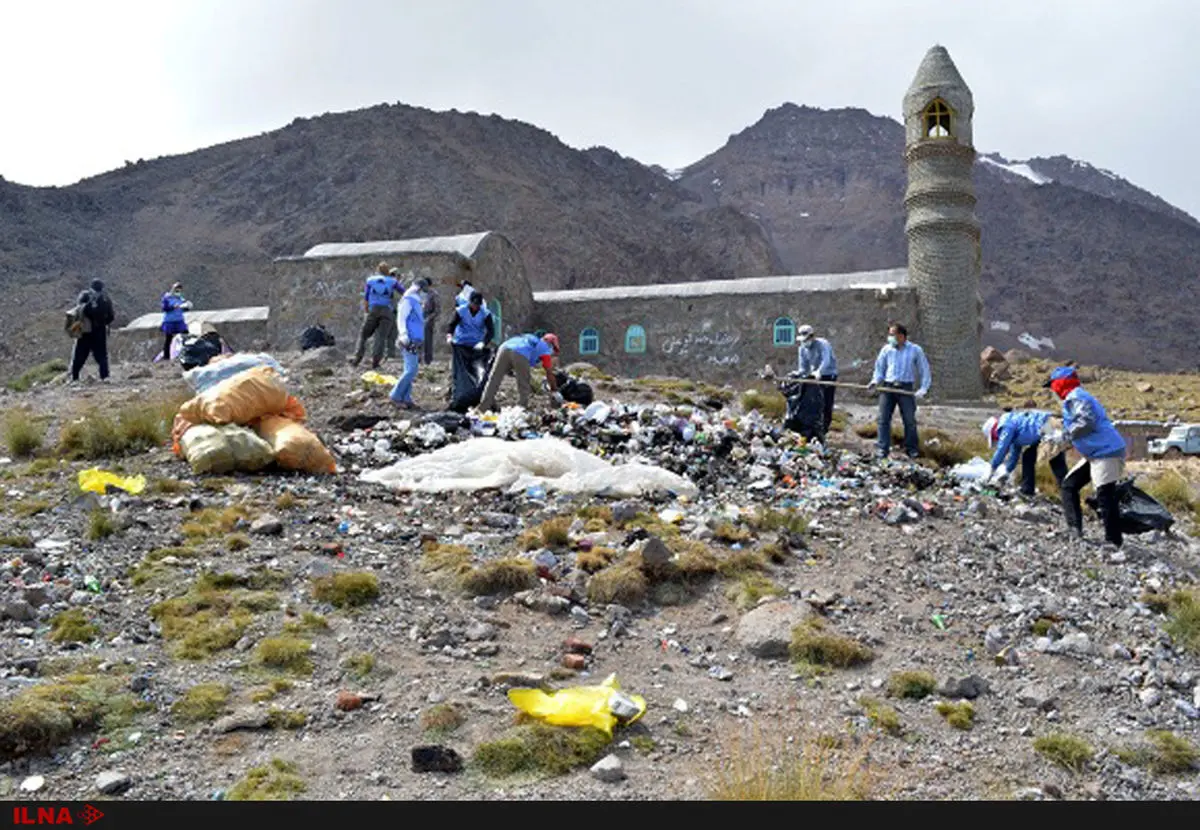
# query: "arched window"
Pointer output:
{"type": "Point", "coordinates": [589, 341]}
{"type": "Point", "coordinates": [635, 340]}
{"type": "Point", "coordinates": [494, 307]}
{"type": "Point", "coordinates": [785, 332]}
{"type": "Point", "coordinates": [937, 120]}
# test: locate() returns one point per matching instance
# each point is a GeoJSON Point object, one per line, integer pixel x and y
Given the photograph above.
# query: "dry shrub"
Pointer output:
{"type": "Point", "coordinates": [751, 767]}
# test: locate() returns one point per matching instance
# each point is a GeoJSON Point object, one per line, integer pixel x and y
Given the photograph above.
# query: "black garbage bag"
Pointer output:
{"type": "Point", "coordinates": [573, 390]}
{"type": "Point", "coordinates": [1140, 512]}
{"type": "Point", "coordinates": [805, 409]}
{"type": "Point", "coordinates": [314, 337]}
{"type": "Point", "coordinates": [449, 421]}
{"type": "Point", "coordinates": [468, 375]}
{"type": "Point", "coordinates": [197, 351]}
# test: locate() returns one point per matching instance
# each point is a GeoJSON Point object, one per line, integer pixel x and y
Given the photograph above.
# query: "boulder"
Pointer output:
{"type": "Point", "coordinates": [1017, 356]}
{"type": "Point", "coordinates": [991, 354]}
{"type": "Point", "coordinates": [766, 632]}
{"type": "Point", "coordinates": [319, 357]}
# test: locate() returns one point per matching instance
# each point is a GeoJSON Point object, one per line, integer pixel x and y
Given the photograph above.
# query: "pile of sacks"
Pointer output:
{"type": "Point", "coordinates": [243, 419]}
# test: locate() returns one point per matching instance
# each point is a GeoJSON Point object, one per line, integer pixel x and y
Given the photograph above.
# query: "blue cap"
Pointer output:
{"type": "Point", "coordinates": [1060, 373]}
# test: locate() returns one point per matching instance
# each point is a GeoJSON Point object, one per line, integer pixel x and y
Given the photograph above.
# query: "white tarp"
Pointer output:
{"type": "Point", "coordinates": [487, 463]}
{"type": "Point", "coordinates": [977, 469]}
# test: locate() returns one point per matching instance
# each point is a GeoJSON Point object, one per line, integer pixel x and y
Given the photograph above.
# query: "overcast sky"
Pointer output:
{"type": "Point", "coordinates": [91, 83]}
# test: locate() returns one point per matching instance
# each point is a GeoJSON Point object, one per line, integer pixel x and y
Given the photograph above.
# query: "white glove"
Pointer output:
{"type": "Point", "coordinates": [872, 386]}
{"type": "Point", "coordinates": [1056, 437]}
{"type": "Point", "coordinates": [450, 339]}
{"type": "Point", "coordinates": [479, 346]}
{"type": "Point", "coordinates": [557, 397]}
{"type": "Point", "coordinates": [816, 374]}
{"type": "Point", "coordinates": [403, 340]}
{"type": "Point", "coordinates": [920, 393]}
{"type": "Point", "coordinates": [186, 306]}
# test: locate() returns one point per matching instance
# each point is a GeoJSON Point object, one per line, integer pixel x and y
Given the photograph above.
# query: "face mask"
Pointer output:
{"type": "Point", "coordinates": [892, 341]}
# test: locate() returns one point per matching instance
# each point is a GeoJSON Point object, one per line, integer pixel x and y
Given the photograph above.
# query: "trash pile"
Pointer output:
{"type": "Point", "coordinates": [243, 419]}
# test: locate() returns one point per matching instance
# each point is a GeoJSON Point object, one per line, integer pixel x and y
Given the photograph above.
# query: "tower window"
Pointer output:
{"type": "Point", "coordinates": [785, 332]}
{"type": "Point", "coordinates": [635, 340]}
{"type": "Point", "coordinates": [937, 120]}
{"type": "Point", "coordinates": [589, 341]}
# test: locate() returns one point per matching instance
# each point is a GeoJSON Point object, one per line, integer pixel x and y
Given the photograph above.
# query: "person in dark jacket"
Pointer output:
{"type": "Point", "coordinates": [432, 306]}
{"type": "Point", "coordinates": [173, 306]}
{"type": "Point", "coordinates": [1087, 426]}
{"type": "Point", "coordinates": [1019, 434]}
{"type": "Point", "coordinates": [98, 309]}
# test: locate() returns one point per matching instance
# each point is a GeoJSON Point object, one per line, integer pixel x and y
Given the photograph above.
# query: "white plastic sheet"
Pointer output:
{"type": "Point", "coordinates": [977, 469]}
{"type": "Point", "coordinates": [204, 377]}
{"type": "Point", "coordinates": [492, 463]}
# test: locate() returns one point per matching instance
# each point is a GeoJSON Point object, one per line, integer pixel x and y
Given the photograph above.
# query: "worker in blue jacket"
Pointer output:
{"type": "Point", "coordinates": [378, 314]}
{"type": "Point", "coordinates": [1087, 426]}
{"type": "Point", "coordinates": [1018, 435]}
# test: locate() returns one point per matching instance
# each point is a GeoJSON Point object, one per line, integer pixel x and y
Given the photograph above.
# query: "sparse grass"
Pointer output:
{"type": "Point", "coordinates": [1183, 623]}
{"type": "Point", "coordinates": [237, 541]}
{"type": "Point", "coordinates": [203, 702]}
{"type": "Point", "coordinates": [753, 769]}
{"type": "Point", "coordinates": [947, 451]}
{"type": "Point", "coordinates": [277, 687]}
{"type": "Point", "coordinates": [42, 373]}
{"type": "Point", "coordinates": [1167, 754]}
{"type": "Point", "coordinates": [595, 512]}
{"type": "Point", "coordinates": [666, 384]}
{"type": "Point", "coordinates": [730, 533]}
{"type": "Point", "coordinates": [500, 576]}
{"type": "Point", "coordinates": [73, 626]}
{"type": "Point", "coordinates": [694, 560]}
{"type": "Point", "coordinates": [881, 715]}
{"type": "Point", "coordinates": [838, 422]}
{"type": "Point", "coordinates": [286, 501]}
{"type": "Point", "coordinates": [813, 644]}
{"type": "Point", "coordinates": [960, 715]}
{"type": "Point", "coordinates": [30, 507]}
{"type": "Point", "coordinates": [789, 521]}
{"type": "Point", "coordinates": [1041, 626]}
{"type": "Point", "coordinates": [1067, 751]}
{"type": "Point", "coordinates": [652, 525]}
{"type": "Point", "coordinates": [95, 433]}
{"type": "Point", "coordinates": [168, 487]}
{"type": "Point", "coordinates": [359, 665]}
{"type": "Point", "coordinates": [41, 466]}
{"type": "Point", "coordinates": [211, 521]}
{"type": "Point", "coordinates": [870, 430]}
{"type": "Point", "coordinates": [208, 619]}
{"type": "Point", "coordinates": [152, 568]}
{"type": "Point", "coordinates": [551, 533]}
{"type": "Point", "coordinates": [347, 590]}
{"type": "Point", "coordinates": [442, 718]}
{"type": "Point", "coordinates": [538, 748]}
{"type": "Point", "coordinates": [286, 718]}
{"type": "Point", "coordinates": [23, 433]}
{"type": "Point", "coordinates": [308, 622]}
{"type": "Point", "coordinates": [769, 404]}
{"type": "Point", "coordinates": [449, 562]}
{"type": "Point", "coordinates": [101, 525]}
{"type": "Point", "coordinates": [750, 589]}
{"type": "Point", "coordinates": [39, 719]}
{"type": "Point", "coordinates": [276, 781]}
{"type": "Point", "coordinates": [595, 559]}
{"type": "Point", "coordinates": [1171, 394]}
{"type": "Point", "coordinates": [285, 653]}
{"type": "Point", "coordinates": [623, 584]}
{"type": "Point", "coordinates": [1174, 491]}
{"type": "Point", "coordinates": [643, 744]}
{"type": "Point", "coordinates": [14, 541]}
{"type": "Point", "coordinates": [741, 563]}
{"type": "Point", "coordinates": [913, 685]}
{"type": "Point", "coordinates": [218, 484]}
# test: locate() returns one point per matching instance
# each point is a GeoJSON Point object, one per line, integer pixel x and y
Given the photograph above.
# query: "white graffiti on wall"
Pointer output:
{"type": "Point", "coordinates": [714, 348]}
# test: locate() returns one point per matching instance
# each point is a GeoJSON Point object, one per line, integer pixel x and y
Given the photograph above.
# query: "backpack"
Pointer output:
{"type": "Point", "coordinates": [314, 337]}
{"type": "Point", "coordinates": [77, 323]}
{"type": "Point", "coordinates": [572, 390]}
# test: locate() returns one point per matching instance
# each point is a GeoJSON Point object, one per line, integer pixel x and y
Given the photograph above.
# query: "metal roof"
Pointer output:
{"type": "Point", "coordinates": [195, 318]}
{"type": "Point", "coordinates": [464, 246]}
{"type": "Point", "coordinates": [892, 278]}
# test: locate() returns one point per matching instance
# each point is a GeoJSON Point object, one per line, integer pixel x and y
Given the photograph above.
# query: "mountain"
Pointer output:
{"type": "Point", "coordinates": [1072, 254]}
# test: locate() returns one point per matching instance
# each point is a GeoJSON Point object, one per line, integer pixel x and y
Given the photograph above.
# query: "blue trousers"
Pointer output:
{"type": "Point", "coordinates": [402, 391]}
{"type": "Point", "coordinates": [888, 401]}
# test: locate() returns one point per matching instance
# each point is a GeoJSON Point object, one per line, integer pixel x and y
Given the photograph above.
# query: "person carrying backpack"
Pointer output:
{"type": "Point", "coordinates": [99, 312]}
{"type": "Point", "coordinates": [80, 325]}
{"type": "Point", "coordinates": [173, 306]}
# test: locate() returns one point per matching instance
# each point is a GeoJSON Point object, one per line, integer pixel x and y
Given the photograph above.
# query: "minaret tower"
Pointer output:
{"type": "Point", "coordinates": [942, 231]}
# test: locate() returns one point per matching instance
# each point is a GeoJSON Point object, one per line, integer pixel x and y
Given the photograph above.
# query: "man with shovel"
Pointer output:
{"type": "Point", "coordinates": [898, 368]}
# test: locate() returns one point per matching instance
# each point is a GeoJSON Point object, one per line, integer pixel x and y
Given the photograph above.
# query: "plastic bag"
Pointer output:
{"type": "Point", "coordinates": [241, 399]}
{"type": "Point", "coordinates": [374, 378]}
{"type": "Point", "coordinates": [96, 480]}
{"type": "Point", "coordinates": [805, 409]}
{"type": "Point", "coordinates": [602, 707]}
{"type": "Point", "coordinates": [1140, 512]}
{"type": "Point", "coordinates": [490, 463]}
{"type": "Point", "coordinates": [224, 449]}
{"type": "Point", "coordinates": [294, 446]}
{"type": "Point", "coordinates": [977, 469]}
{"type": "Point", "coordinates": [205, 377]}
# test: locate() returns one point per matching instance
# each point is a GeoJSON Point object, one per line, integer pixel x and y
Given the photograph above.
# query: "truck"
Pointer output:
{"type": "Point", "coordinates": [1180, 441]}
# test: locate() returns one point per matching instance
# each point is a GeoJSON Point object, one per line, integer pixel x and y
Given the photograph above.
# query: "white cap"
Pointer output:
{"type": "Point", "coordinates": [804, 332]}
{"type": "Point", "coordinates": [989, 427]}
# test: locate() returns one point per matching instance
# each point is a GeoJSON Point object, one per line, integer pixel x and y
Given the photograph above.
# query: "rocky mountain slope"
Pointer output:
{"type": "Point", "coordinates": [1073, 255]}
{"type": "Point", "coordinates": [280, 635]}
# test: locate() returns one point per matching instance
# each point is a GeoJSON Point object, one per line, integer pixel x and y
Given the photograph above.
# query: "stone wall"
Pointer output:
{"type": "Point", "coordinates": [723, 338]}
{"type": "Point", "coordinates": [328, 290]}
{"type": "Point", "coordinates": [141, 345]}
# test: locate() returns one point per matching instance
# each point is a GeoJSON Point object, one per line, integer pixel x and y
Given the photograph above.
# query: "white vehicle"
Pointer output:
{"type": "Point", "coordinates": [1180, 441]}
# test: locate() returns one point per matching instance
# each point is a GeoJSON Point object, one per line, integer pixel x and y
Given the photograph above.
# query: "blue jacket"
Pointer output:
{"type": "Point", "coordinates": [172, 306]}
{"type": "Point", "coordinates": [379, 290]}
{"type": "Point", "coordinates": [1017, 431]}
{"type": "Point", "coordinates": [413, 316]}
{"type": "Point", "coordinates": [902, 364]}
{"type": "Point", "coordinates": [817, 354]}
{"type": "Point", "coordinates": [529, 346]}
{"type": "Point", "coordinates": [1087, 425]}
{"type": "Point", "coordinates": [469, 328]}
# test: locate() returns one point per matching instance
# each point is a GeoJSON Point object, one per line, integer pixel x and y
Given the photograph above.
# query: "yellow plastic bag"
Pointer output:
{"type": "Point", "coordinates": [96, 480]}
{"type": "Point", "coordinates": [581, 705]}
{"type": "Point", "coordinates": [377, 379]}
{"type": "Point", "coordinates": [295, 447]}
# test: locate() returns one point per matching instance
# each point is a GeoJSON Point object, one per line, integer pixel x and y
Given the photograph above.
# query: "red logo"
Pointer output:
{"type": "Point", "coordinates": [90, 814]}
{"type": "Point", "coordinates": [54, 815]}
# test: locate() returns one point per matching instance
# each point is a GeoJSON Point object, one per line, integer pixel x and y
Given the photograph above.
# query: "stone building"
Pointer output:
{"type": "Point", "coordinates": [245, 329]}
{"type": "Point", "coordinates": [325, 284]}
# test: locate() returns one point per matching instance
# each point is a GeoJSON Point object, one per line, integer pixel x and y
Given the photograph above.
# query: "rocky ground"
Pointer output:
{"type": "Point", "coordinates": [912, 569]}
